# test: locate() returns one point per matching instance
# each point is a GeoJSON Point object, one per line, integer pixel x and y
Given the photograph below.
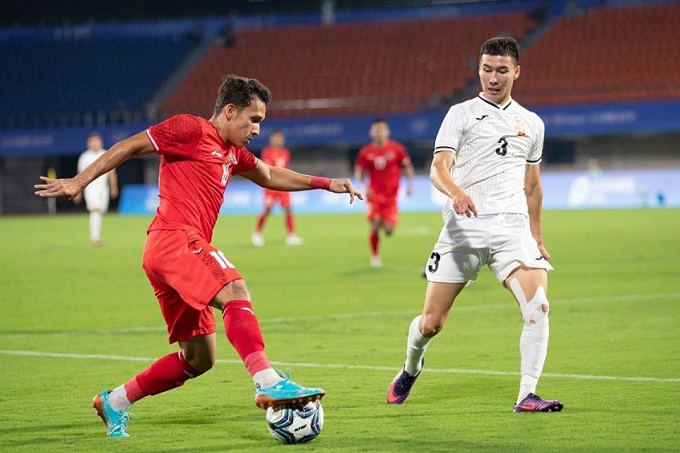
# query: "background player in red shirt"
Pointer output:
{"type": "Point", "coordinates": [278, 156]}
{"type": "Point", "coordinates": [190, 276]}
{"type": "Point", "coordinates": [382, 160]}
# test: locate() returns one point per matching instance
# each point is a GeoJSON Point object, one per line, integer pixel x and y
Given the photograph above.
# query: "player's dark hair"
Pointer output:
{"type": "Point", "coordinates": [501, 46]}
{"type": "Point", "coordinates": [240, 91]}
{"type": "Point", "coordinates": [379, 120]}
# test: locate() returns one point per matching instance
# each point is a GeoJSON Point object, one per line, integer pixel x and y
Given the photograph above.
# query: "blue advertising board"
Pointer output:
{"type": "Point", "coordinates": [562, 190]}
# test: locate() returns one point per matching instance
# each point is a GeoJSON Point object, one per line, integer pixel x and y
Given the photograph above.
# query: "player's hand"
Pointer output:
{"type": "Point", "coordinates": [54, 188]}
{"type": "Point", "coordinates": [78, 198]}
{"type": "Point", "coordinates": [345, 186]}
{"type": "Point", "coordinates": [543, 250]}
{"type": "Point", "coordinates": [463, 204]}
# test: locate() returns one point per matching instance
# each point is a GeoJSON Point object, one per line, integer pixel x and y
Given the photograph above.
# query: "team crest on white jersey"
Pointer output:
{"type": "Point", "coordinates": [520, 126]}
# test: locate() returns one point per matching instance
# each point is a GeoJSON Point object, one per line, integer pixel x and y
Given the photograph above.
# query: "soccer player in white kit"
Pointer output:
{"type": "Point", "coordinates": [98, 192]}
{"type": "Point", "coordinates": [486, 161]}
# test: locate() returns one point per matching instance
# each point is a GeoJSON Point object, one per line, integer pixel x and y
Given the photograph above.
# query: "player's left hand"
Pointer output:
{"type": "Point", "coordinates": [345, 186]}
{"type": "Point", "coordinates": [544, 251]}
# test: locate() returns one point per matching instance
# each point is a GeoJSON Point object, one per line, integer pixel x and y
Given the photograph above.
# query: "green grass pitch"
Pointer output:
{"type": "Point", "coordinates": [75, 320]}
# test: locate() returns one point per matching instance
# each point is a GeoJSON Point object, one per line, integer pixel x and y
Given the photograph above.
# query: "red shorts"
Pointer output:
{"type": "Point", "coordinates": [382, 209]}
{"type": "Point", "coordinates": [271, 197]}
{"type": "Point", "coordinates": [186, 273]}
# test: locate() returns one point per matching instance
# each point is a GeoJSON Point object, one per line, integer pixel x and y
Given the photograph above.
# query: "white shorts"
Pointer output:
{"type": "Point", "coordinates": [96, 200]}
{"type": "Point", "coordinates": [503, 242]}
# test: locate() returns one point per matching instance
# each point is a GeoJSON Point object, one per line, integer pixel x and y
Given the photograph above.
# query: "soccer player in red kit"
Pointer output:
{"type": "Point", "coordinates": [382, 160]}
{"type": "Point", "coordinates": [276, 154]}
{"type": "Point", "coordinates": [188, 274]}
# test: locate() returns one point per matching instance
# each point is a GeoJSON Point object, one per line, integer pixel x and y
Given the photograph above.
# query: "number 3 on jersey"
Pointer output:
{"type": "Point", "coordinates": [503, 149]}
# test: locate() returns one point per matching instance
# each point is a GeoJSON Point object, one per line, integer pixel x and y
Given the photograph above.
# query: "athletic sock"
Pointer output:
{"type": "Point", "coordinates": [95, 226]}
{"type": "Point", "coordinates": [290, 223]}
{"type": "Point", "coordinates": [374, 240]}
{"type": "Point", "coordinates": [165, 374]}
{"type": "Point", "coordinates": [415, 347]}
{"type": "Point", "coordinates": [260, 222]}
{"type": "Point", "coordinates": [533, 347]}
{"type": "Point", "coordinates": [243, 332]}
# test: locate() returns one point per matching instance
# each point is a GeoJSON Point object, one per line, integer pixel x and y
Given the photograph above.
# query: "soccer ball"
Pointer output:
{"type": "Point", "coordinates": [295, 423]}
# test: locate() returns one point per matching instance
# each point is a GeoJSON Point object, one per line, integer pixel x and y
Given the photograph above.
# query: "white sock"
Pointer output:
{"type": "Point", "coordinates": [533, 348]}
{"type": "Point", "coordinates": [118, 399]}
{"type": "Point", "coordinates": [95, 226]}
{"type": "Point", "coordinates": [266, 378]}
{"type": "Point", "coordinates": [415, 347]}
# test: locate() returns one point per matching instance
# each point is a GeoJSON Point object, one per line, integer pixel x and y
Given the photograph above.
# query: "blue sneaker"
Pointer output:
{"type": "Point", "coordinates": [286, 392]}
{"type": "Point", "coordinates": [115, 421]}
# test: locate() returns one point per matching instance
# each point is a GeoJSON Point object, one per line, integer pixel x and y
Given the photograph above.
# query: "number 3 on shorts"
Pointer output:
{"type": "Point", "coordinates": [434, 262]}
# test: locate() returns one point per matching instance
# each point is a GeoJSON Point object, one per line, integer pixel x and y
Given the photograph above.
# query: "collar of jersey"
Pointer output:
{"type": "Point", "coordinates": [498, 106]}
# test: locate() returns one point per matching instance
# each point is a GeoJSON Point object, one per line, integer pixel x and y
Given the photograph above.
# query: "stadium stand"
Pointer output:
{"type": "Point", "coordinates": [58, 82]}
{"type": "Point", "coordinates": [614, 54]}
{"type": "Point", "coordinates": [351, 68]}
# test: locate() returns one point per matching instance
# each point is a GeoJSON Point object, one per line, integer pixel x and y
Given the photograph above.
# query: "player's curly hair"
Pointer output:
{"type": "Point", "coordinates": [240, 91]}
{"type": "Point", "coordinates": [503, 46]}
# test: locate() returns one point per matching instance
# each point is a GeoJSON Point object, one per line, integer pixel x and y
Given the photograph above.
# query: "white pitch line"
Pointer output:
{"type": "Point", "coordinates": [57, 355]}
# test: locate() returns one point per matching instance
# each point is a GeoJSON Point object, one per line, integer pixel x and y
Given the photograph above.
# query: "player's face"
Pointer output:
{"type": "Point", "coordinates": [94, 143]}
{"type": "Point", "coordinates": [380, 133]}
{"type": "Point", "coordinates": [277, 140]}
{"type": "Point", "coordinates": [244, 125]}
{"type": "Point", "coordinates": [497, 73]}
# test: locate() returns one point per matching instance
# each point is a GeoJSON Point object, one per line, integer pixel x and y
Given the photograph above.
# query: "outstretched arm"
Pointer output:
{"type": "Point", "coordinates": [534, 191]}
{"type": "Point", "coordinates": [440, 175]}
{"type": "Point", "coordinates": [279, 178]}
{"type": "Point", "coordinates": [410, 174]}
{"type": "Point", "coordinates": [137, 145]}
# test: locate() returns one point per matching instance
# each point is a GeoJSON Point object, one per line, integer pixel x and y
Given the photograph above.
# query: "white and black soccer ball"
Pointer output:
{"type": "Point", "coordinates": [295, 423]}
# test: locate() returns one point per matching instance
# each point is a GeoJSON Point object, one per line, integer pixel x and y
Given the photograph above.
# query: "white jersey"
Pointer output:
{"type": "Point", "coordinates": [97, 192]}
{"type": "Point", "coordinates": [492, 145]}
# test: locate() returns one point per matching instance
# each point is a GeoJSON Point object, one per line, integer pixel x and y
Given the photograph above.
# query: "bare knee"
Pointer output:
{"type": "Point", "coordinates": [431, 325]}
{"type": "Point", "coordinates": [236, 290]}
{"type": "Point", "coordinates": [200, 354]}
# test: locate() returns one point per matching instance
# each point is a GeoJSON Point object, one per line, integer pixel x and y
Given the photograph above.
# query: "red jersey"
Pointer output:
{"type": "Point", "coordinates": [195, 167]}
{"type": "Point", "coordinates": [383, 166]}
{"type": "Point", "coordinates": [278, 157]}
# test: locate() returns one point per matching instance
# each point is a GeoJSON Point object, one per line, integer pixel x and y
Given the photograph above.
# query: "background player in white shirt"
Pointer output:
{"type": "Point", "coordinates": [486, 160]}
{"type": "Point", "coordinates": [98, 192]}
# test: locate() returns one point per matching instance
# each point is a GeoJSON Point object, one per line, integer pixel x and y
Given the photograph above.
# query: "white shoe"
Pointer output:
{"type": "Point", "coordinates": [257, 240]}
{"type": "Point", "coordinates": [376, 261]}
{"type": "Point", "coordinates": [293, 239]}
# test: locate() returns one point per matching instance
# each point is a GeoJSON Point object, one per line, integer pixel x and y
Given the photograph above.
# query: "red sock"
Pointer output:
{"type": "Point", "coordinates": [243, 332]}
{"type": "Point", "coordinates": [290, 223]}
{"type": "Point", "coordinates": [375, 243]}
{"type": "Point", "coordinates": [164, 374]}
{"type": "Point", "coordinates": [260, 222]}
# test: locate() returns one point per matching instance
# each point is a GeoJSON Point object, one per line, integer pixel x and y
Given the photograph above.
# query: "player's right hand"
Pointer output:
{"type": "Point", "coordinates": [463, 204]}
{"type": "Point", "coordinates": [54, 188]}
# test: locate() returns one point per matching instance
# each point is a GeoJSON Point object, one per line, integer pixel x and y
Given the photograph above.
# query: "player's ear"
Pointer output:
{"type": "Point", "coordinates": [229, 111]}
{"type": "Point", "coordinates": [517, 68]}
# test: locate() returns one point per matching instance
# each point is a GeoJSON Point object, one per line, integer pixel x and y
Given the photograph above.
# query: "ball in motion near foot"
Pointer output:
{"type": "Point", "coordinates": [295, 423]}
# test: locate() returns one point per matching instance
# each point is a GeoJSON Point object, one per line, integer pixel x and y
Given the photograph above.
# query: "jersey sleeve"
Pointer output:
{"type": "Point", "coordinates": [404, 157]}
{"type": "Point", "coordinates": [246, 160]}
{"type": "Point", "coordinates": [360, 163]}
{"type": "Point", "coordinates": [177, 136]}
{"type": "Point", "coordinates": [450, 131]}
{"type": "Point", "coordinates": [536, 152]}
{"type": "Point", "coordinates": [82, 164]}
